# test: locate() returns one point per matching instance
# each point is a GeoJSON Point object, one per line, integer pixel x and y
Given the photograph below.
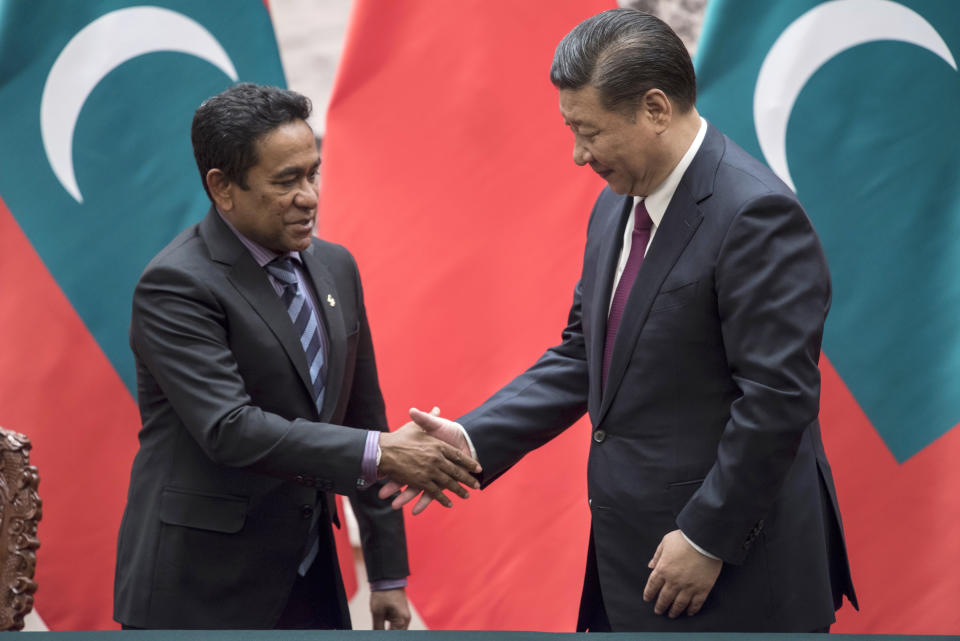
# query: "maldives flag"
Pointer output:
{"type": "Point", "coordinates": [854, 103]}
{"type": "Point", "coordinates": [448, 172]}
{"type": "Point", "coordinates": [96, 176]}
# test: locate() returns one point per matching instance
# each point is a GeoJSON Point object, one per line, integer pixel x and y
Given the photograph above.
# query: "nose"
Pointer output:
{"type": "Point", "coordinates": [581, 155]}
{"type": "Point", "coordinates": [307, 195]}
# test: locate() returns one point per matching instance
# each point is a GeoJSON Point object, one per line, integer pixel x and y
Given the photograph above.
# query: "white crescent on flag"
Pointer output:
{"type": "Point", "coordinates": [96, 50]}
{"type": "Point", "coordinates": [810, 42]}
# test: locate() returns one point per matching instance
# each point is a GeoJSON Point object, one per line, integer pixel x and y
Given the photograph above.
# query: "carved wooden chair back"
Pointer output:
{"type": "Point", "coordinates": [20, 511]}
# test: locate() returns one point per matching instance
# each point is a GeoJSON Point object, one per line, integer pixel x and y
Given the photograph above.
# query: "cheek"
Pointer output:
{"type": "Point", "coordinates": [276, 206]}
{"type": "Point", "coordinates": [606, 154]}
{"type": "Point", "coordinates": [267, 202]}
{"type": "Point", "coordinates": [625, 160]}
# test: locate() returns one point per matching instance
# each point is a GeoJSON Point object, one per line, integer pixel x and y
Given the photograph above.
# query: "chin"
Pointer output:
{"type": "Point", "coordinates": [620, 190]}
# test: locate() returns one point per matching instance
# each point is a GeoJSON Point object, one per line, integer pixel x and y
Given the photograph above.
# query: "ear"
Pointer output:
{"type": "Point", "coordinates": [657, 109]}
{"type": "Point", "coordinates": [221, 189]}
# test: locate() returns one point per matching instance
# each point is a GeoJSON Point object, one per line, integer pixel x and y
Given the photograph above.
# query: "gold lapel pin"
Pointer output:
{"type": "Point", "coordinates": [330, 300]}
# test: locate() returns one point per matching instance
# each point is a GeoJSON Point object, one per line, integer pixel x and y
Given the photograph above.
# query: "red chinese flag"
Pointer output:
{"type": "Point", "coordinates": [449, 175]}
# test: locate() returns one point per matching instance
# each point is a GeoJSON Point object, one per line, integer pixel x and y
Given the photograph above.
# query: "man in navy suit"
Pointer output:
{"type": "Point", "coordinates": [693, 344]}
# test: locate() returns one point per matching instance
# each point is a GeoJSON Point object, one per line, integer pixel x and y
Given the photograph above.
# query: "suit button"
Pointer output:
{"type": "Point", "coordinates": [306, 511]}
{"type": "Point", "coordinates": [599, 436]}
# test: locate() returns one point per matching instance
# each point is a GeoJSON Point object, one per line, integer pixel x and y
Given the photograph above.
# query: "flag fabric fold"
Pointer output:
{"type": "Point", "coordinates": [96, 176]}
{"type": "Point", "coordinates": [448, 172]}
{"type": "Point", "coordinates": [854, 103]}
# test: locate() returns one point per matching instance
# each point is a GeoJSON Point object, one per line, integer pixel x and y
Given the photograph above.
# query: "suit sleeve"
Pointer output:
{"type": "Point", "coordinates": [179, 333]}
{"type": "Point", "coordinates": [543, 401]}
{"type": "Point", "coordinates": [773, 293]}
{"type": "Point", "coordinates": [381, 527]}
{"type": "Point", "coordinates": [536, 406]}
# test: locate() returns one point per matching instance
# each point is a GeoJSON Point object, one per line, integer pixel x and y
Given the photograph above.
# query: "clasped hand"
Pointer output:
{"type": "Point", "coordinates": [440, 428]}
{"type": "Point", "coordinates": [413, 457]}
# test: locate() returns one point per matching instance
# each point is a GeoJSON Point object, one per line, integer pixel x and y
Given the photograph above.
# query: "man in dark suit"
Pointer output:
{"type": "Point", "coordinates": [693, 344]}
{"type": "Point", "coordinates": [259, 399]}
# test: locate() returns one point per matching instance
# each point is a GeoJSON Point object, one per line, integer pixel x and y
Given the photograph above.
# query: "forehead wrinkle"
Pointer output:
{"type": "Point", "coordinates": [575, 112]}
{"type": "Point", "coordinates": [569, 118]}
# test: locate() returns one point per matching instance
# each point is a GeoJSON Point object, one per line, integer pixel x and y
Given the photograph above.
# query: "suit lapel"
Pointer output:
{"type": "Point", "coordinates": [677, 227]}
{"type": "Point", "coordinates": [328, 305]}
{"type": "Point", "coordinates": [679, 223]}
{"type": "Point", "coordinates": [599, 304]}
{"type": "Point", "coordinates": [251, 282]}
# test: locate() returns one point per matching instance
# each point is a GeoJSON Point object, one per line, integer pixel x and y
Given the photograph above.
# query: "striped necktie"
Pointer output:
{"type": "Point", "coordinates": [305, 322]}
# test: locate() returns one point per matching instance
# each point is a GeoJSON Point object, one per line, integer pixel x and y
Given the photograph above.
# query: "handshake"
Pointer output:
{"type": "Point", "coordinates": [425, 457]}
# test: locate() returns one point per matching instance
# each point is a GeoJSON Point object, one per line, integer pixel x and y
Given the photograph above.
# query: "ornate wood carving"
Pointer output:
{"type": "Point", "coordinates": [20, 511]}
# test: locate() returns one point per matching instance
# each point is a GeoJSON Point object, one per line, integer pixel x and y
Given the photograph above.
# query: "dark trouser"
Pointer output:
{"type": "Point", "coordinates": [598, 621]}
{"type": "Point", "coordinates": [593, 614]}
{"type": "Point", "coordinates": [317, 600]}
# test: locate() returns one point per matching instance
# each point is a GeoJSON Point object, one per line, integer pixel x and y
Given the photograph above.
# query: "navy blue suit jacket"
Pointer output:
{"type": "Point", "coordinates": [708, 421]}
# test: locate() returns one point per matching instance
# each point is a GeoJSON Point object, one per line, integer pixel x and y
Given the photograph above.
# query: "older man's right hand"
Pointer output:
{"type": "Point", "coordinates": [413, 458]}
{"type": "Point", "coordinates": [443, 429]}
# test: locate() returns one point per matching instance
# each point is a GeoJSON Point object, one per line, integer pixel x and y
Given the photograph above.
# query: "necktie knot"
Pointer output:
{"type": "Point", "coordinates": [282, 269]}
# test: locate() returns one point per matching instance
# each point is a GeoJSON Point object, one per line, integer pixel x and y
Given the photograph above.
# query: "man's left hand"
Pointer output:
{"type": "Point", "coordinates": [681, 578]}
{"type": "Point", "coordinates": [390, 605]}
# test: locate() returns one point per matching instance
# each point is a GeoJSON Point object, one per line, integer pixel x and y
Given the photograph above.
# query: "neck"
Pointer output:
{"type": "Point", "coordinates": [677, 140]}
{"type": "Point", "coordinates": [683, 130]}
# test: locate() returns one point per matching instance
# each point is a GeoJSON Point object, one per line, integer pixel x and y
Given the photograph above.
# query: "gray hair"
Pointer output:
{"type": "Point", "coordinates": [623, 53]}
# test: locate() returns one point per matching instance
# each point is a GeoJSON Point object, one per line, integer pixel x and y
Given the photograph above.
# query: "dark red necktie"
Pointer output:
{"type": "Point", "coordinates": [642, 225]}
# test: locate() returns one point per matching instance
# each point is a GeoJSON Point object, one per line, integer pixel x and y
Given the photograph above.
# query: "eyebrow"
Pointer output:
{"type": "Point", "coordinates": [574, 122]}
{"type": "Point", "coordinates": [292, 171]}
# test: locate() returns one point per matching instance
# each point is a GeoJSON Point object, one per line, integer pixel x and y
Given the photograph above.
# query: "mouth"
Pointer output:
{"type": "Point", "coordinates": [603, 173]}
{"type": "Point", "coordinates": [302, 225]}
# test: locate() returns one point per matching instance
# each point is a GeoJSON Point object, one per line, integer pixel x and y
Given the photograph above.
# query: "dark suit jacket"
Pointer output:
{"type": "Point", "coordinates": [708, 421]}
{"type": "Point", "coordinates": [233, 457]}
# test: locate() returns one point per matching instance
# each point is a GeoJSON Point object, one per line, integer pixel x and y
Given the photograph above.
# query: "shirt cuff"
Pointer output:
{"type": "Point", "coordinates": [370, 460]}
{"type": "Point", "coordinates": [466, 437]}
{"type": "Point", "coordinates": [700, 549]}
{"type": "Point", "coordinates": [387, 584]}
